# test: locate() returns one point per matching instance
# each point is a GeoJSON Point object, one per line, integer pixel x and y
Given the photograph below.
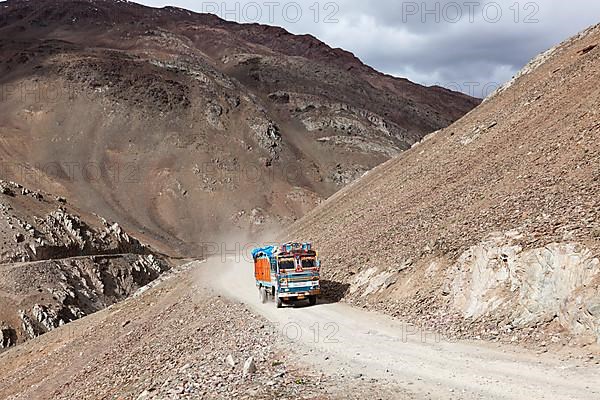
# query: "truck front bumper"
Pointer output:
{"type": "Point", "coordinates": [299, 295]}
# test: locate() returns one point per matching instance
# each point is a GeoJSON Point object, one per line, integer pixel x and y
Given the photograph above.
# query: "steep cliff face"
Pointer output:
{"type": "Point", "coordinates": [555, 285]}
{"type": "Point", "coordinates": [58, 264]}
{"type": "Point", "coordinates": [186, 126]}
{"type": "Point", "coordinates": [490, 227]}
{"type": "Point", "coordinates": [37, 226]}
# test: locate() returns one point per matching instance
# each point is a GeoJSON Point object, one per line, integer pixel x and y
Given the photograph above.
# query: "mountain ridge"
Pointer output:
{"type": "Point", "coordinates": [194, 105]}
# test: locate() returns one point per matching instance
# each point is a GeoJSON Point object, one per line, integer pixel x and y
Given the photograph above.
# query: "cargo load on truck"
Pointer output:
{"type": "Point", "coordinates": [287, 273]}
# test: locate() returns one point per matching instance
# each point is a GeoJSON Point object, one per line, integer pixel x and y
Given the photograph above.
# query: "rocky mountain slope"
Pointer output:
{"type": "Point", "coordinates": [489, 228]}
{"type": "Point", "coordinates": [185, 126]}
{"type": "Point", "coordinates": [58, 264]}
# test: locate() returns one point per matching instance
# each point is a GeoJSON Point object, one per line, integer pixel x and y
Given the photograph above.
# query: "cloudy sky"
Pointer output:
{"type": "Point", "coordinates": [467, 45]}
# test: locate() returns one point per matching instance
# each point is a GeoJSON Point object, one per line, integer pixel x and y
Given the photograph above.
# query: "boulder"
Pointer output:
{"type": "Point", "coordinates": [230, 361]}
{"type": "Point", "coordinates": [249, 366]}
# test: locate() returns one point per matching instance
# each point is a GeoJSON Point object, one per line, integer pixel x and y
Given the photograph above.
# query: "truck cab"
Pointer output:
{"type": "Point", "coordinates": [288, 273]}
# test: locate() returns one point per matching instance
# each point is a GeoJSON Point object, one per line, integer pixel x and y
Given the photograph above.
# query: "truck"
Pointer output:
{"type": "Point", "coordinates": [287, 273]}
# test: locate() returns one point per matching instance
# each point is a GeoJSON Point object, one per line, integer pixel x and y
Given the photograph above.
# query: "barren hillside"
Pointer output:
{"type": "Point", "coordinates": [185, 126]}
{"type": "Point", "coordinates": [489, 228]}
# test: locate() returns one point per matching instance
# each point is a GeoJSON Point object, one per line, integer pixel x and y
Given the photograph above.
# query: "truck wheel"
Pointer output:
{"type": "Point", "coordinates": [263, 295]}
{"type": "Point", "coordinates": [312, 300]}
{"type": "Point", "coordinates": [279, 302]}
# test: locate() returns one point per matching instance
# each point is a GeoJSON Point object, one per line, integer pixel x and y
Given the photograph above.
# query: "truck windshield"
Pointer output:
{"type": "Point", "coordinates": [288, 264]}
{"type": "Point", "coordinates": [308, 263]}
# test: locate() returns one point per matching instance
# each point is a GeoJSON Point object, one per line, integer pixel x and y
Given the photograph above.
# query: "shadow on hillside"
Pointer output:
{"type": "Point", "coordinates": [332, 291]}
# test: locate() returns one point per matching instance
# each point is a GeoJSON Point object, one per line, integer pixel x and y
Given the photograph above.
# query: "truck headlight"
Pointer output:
{"type": "Point", "coordinates": [283, 282]}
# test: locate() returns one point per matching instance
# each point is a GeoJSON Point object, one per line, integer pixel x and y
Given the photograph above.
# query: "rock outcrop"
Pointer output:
{"type": "Point", "coordinates": [498, 278]}
{"type": "Point", "coordinates": [8, 336]}
{"type": "Point", "coordinates": [62, 291]}
{"type": "Point", "coordinates": [58, 265]}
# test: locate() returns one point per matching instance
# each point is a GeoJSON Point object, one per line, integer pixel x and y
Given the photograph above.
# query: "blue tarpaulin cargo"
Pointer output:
{"type": "Point", "coordinates": [267, 251]}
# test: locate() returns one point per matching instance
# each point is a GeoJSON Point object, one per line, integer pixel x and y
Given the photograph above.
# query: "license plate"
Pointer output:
{"type": "Point", "coordinates": [301, 297]}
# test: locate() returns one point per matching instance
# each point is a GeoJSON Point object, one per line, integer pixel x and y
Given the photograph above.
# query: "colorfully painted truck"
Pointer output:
{"type": "Point", "coordinates": [287, 273]}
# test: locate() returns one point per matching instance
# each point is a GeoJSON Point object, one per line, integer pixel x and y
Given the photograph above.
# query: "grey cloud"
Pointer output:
{"type": "Point", "coordinates": [401, 38]}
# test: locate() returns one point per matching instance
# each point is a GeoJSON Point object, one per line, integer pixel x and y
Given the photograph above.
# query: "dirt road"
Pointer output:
{"type": "Point", "coordinates": [337, 338]}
